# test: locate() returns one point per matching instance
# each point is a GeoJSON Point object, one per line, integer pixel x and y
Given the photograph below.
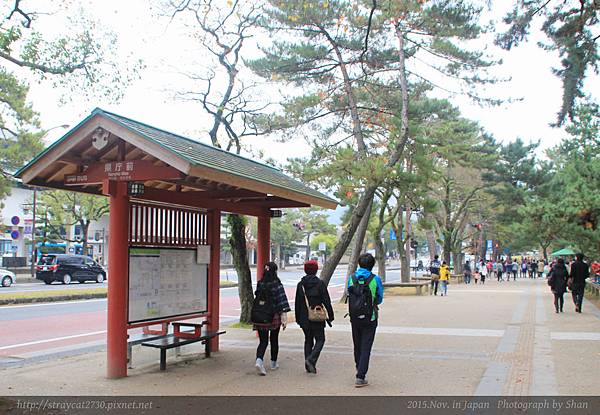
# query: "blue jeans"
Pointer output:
{"type": "Point", "coordinates": [444, 287]}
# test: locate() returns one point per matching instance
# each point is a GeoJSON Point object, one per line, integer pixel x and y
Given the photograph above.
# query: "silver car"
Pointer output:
{"type": "Point", "coordinates": [7, 278]}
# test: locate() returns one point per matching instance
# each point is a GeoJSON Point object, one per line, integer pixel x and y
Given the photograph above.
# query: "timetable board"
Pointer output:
{"type": "Point", "coordinates": [165, 283]}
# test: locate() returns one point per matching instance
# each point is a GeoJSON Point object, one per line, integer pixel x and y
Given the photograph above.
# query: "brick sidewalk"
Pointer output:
{"type": "Point", "coordinates": [497, 339]}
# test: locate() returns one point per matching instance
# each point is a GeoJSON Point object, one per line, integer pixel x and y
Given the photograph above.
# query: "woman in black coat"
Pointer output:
{"type": "Point", "coordinates": [557, 281]}
{"type": "Point", "coordinates": [312, 290]}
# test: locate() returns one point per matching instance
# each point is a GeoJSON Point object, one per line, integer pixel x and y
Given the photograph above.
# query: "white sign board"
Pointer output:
{"type": "Point", "coordinates": [165, 283]}
{"type": "Point", "coordinates": [322, 246]}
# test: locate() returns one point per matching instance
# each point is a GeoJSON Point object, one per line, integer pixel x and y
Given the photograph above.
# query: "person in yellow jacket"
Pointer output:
{"type": "Point", "coordinates": [444, 277]}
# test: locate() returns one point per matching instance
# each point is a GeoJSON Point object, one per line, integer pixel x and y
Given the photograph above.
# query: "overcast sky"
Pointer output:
{"type": "Point", "coordinates": [166, 49]}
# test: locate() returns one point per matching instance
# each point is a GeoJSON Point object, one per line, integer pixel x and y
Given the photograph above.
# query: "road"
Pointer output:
{"type": "Point", "coordinates": [36, 332]}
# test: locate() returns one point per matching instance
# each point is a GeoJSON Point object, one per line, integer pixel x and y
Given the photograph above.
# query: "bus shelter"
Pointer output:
{"type": "Point", "coordinates": [166, 195]}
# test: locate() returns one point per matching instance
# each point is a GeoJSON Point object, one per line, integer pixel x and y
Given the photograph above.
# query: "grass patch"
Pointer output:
{"type": "Point", "coordinates": [240, 325]}
{"type": "Point", "coordinates": [54, 293]}
{"type": "Point", "coordinates": [226, 283]}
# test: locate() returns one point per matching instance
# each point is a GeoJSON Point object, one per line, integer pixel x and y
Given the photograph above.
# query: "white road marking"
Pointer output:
{"type": "Point", "coordinates": [574, 335]}
{"type": "Point", "coordinates": [56, 339]}
{"type": "Point", "coordinates": [431, 331]}
{"type": "Point", "coordinates": [476, 291]}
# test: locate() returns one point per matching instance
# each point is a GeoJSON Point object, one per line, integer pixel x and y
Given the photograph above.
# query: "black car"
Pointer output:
{"type": "Point", "coordinates": [66, 268]}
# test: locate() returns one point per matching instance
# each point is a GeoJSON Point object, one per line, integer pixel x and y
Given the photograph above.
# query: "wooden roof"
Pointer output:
{"type": "Point", "coordinates": [208, 177]}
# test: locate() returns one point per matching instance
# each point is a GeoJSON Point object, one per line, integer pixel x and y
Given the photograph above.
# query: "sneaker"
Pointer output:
{"type": "Point", "coordinates": [260, 367]}
{"type": "Point", "coordinates": [310, 368]}
{"type": "Point", "coordinates": [359, 383]}
{"type": "Point", "coordinates": [274, 365]}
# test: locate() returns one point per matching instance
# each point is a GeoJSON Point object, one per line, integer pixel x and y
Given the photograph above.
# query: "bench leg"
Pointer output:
{"type": "Point", "coordinates": [129, 357]}
{"type": "Point", "coordinates": [163, 359]}
{"type": "Point", "coordinates": [207, 348]}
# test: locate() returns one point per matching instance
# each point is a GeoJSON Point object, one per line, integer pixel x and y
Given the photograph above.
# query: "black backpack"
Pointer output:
{"type": "Point", "coordinates": [263, 309]}
{"type": "Point", "coordinates": [360, 300]}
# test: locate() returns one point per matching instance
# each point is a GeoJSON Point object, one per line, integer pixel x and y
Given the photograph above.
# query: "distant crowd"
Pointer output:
{"type": "Point", "coordinates": [562, 275]}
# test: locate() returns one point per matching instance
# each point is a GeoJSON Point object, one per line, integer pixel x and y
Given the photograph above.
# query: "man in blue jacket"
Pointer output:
{"type": "Point", "coordinates": [363, 330]}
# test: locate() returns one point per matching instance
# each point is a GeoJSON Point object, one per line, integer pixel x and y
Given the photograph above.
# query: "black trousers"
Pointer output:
{"type": "Point", "coordinates": [263, 336]}
{"type": "Point", "coordinates": [577, 294]}
{"type": "Point", "coordinates": [363, 336]}
{"type": "Point", "coordinates": [559, 300]}
{"type": "Point", "coordinates": [314, 340]}
{"type": "Point", "coordinates": [434, 285]}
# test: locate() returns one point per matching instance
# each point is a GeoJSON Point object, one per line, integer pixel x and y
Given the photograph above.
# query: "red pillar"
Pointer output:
{"type": "Point", "coordinates": [263, 245]}
{"type": "Point", "coordinates": [118, 249]}
{"type": "Point", "coordinates": [214, 271]}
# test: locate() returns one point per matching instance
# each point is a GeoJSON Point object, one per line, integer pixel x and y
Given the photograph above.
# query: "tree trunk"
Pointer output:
{"type": "Point", "coordinates": [458, 263]}
{"type": "Point", "coordinates": [404, 269]}
{"type": "Point", "coordinates": [237, 241]}
{"type": "Point", "coordinates": [545, 251]}
{"type": "Point", "coordinates": [85, 226]}
{"type": "Point", "coordinates": [380, 256]}
{"type": "Point", "coordinates": [359, 238]}
{"type": "Point", "coordinates": [447, 248]}
{"type": "Point", "coordinates": [346, 237]}
{"type": "Point", "coordinates": [431, 244]}
{"type": "Point", "coordinates": [307, 256]}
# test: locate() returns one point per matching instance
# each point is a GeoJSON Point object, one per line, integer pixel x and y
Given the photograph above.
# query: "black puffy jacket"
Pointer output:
{"type": "Point", "coordinates": [316, 293]}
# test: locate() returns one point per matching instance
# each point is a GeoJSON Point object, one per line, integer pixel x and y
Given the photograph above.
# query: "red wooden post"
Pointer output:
{"type": "Point", "coordinates": [214, 271]}
{"type": "Point", "coordinates": [263, 245]}
{"type": "Point", "coordinates": [118, 248]}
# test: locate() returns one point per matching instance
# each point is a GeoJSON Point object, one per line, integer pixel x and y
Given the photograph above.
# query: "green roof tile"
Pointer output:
{"type": "Point", "coordinates": [200, 154]}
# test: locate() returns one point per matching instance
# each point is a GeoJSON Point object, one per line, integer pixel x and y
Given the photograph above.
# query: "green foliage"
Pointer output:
{"type": "Point", "coordinates": [81, 61]}
{"type": "Point", "coordinates": [62, 208]}
{"type": "Point", "coordinates": [572, 28]}
{"type": "Point", "coordinates": [330, 242]}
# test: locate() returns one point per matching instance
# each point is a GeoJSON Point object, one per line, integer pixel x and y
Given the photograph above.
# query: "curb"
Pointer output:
{"type": "Point", "coordinates": [53, 299]}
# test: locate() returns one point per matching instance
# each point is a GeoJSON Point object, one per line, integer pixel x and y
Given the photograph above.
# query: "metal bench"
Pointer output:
{"type": "Point", "coordinates": [147, 335]}
{"type": "Point", "coordinates": [179, 338]}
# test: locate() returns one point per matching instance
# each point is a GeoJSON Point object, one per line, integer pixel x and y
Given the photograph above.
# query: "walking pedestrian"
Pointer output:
{"type": "Point", "coordinates": [365, 294]}
{"type": "Point", "coordinates": [534, 267]}
{"type": "Point", "coordinates": [596, 270]}
{"type": "Point", "coordinates": [270, 301]}
{"type": "Point", "coordinates": [483, 271]}
{"type": "Point", "coordinates": [311, 292]}
{"type": "Point", "coordinates": [499, 270]}
{"type": "Point", "coordinates": [467, 273]}
{"type": "Point", "coordinates": [444, 278]}
{"type": "Point", "coordinates": [557, 280]}
{"type": "Point", "coordinates": [515, 269]}
{"type": "Point", "coordinates": [524, 268]}
{"type": "Point", "coordinates": [580, 271]}
{"type": "Point", "coordinates": [490, 269]}
{"type": "Point", "coordinates": [434, 270]}
{"type": "Point", "coordinates": [540, 268]}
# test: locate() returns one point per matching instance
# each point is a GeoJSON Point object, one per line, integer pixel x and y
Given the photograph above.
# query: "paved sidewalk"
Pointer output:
{"type": "Point", "coordinates": [497, 339]}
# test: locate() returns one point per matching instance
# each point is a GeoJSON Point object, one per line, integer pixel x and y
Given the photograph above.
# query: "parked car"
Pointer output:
{"type": "Point", "coordinates": [7, 278]}
{"type": "Point", "coordinates": [68, 268]}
